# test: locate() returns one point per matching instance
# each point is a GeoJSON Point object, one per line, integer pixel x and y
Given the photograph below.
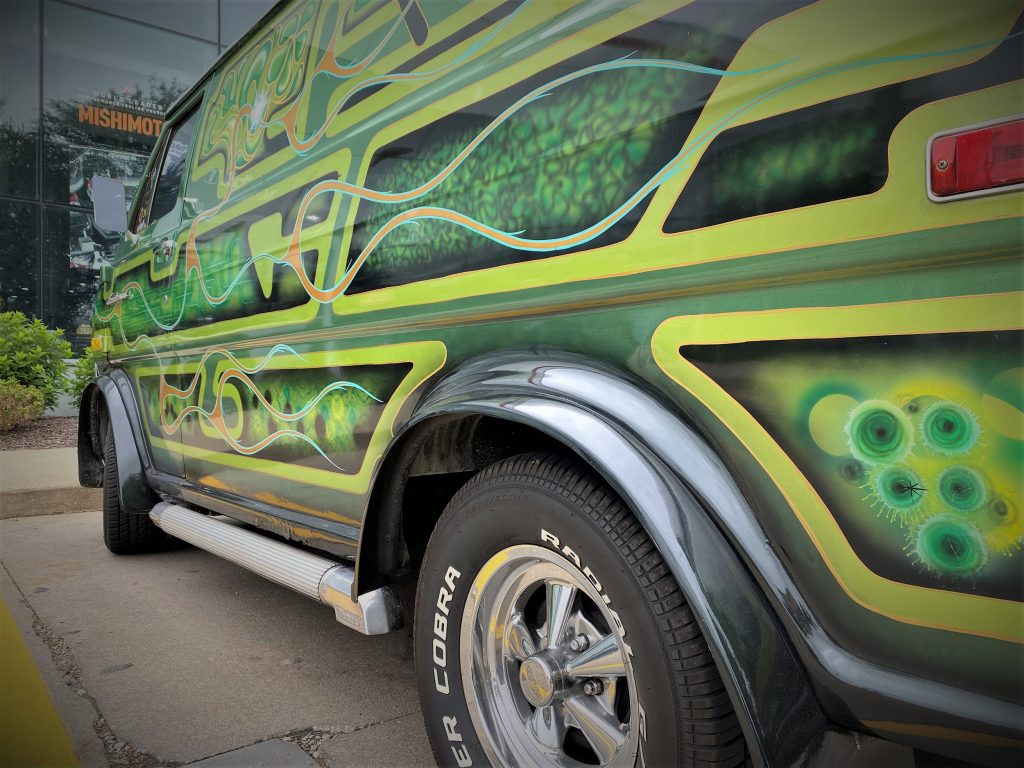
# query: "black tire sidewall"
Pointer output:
{"type": "Point", "coordinates": [125, 532]}
{"type": "Point", "coordinates": [485, 521]}
{"type": "Point", "coordinates": [111, 491]}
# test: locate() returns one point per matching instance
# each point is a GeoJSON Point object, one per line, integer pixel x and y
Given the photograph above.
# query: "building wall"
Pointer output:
{"type": "Point", "coordinates": [83, 88]}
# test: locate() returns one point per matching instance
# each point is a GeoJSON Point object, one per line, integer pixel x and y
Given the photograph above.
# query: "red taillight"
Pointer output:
{"type": "Point", "coordinates": [979, 159]}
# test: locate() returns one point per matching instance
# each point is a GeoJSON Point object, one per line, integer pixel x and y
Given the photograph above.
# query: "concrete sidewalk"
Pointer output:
{"type": "Point", "coordinates": [181, 658]}
{"type": "Point", "coordinates": [43, 482]}
{"type": "Point", "coordinates": [178, 657]}
{"type": "Point", "coordinates": [38, 470]}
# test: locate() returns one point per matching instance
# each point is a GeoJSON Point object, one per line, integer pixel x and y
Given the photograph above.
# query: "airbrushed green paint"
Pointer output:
{"type": "Point", "coordinates": [553, 169]}
{"type": "Point", "coordinates": [898, 489]}
{"type": "Point", "coordinates": [951, 546]}
{"type": "Point", "coordinates": [603, 304]}
{"type": "Point", "coordinates": [949, 428]}
{"type": "Point", "coordinates": [913, 451]}
{"type": "Point", "coordinates": [962, 488]}
{"type": "Point", "coordinates": [879, 433]}
{"type": "Point", "coordinates": [340, 423]}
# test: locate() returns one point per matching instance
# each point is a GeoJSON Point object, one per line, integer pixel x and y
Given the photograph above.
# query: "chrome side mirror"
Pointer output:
{"type": "Point", "coordinates": [109, 209]}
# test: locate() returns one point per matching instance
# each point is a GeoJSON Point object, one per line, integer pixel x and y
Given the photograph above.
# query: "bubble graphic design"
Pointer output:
{"type": "Point", "coordinates": [879, 433]}
{"type": "Point", "coordinates": [949, 546]}
{"type": "Point", "coordinates": [919, 451]}
{"type": "Point", "coordinates": [898, 489]}
{"type": "Point", "coordinates": [949, 428]}
{"type": "Point", "coordinates": [962, 488]}
{"type": "Point", "coordinates": [851, 469]}
{"type": "Point", "coordinates": [825, 422]}
{"type": "Point", "coordinates": [1002, 525]}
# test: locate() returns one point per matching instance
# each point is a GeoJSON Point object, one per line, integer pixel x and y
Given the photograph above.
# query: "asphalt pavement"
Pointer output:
{"type": "Point", "coordinates": [179, 657]}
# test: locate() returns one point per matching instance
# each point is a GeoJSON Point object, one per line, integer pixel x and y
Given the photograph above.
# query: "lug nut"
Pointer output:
{"type": "Point", "coordinates": [593, 687]}
{"type": "Point", "coordinates": [579, 643]}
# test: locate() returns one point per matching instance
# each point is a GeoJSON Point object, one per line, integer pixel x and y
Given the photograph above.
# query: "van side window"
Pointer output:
{"type": "Point", "coordinates": [167, 186]}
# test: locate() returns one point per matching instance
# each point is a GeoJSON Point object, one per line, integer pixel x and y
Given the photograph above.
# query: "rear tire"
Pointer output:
{"type": "Point", "coordinates": [124, 533]}
{"type": "Point", "coordinates": [539, 540]}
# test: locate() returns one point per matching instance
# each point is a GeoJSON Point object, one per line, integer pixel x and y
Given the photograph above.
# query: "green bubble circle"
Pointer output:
{"type": "Point", "coordinates": [878, 432]}
{"type": "Point", "coordinates": [962, 488]}
{"type": "Point", "coordinates": [1001, 512]}
{"type": "Point", "coordinates": [851, 469]}
{"type": "Point", "coordinates": [899, 488]}
{"type": "Point", "coordinates": [950, 546]}
{"type": "Point", "coordinates": [949, 428]}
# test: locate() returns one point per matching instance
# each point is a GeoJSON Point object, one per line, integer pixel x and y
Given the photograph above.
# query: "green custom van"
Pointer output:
{"type": "Point", "coordinates": [659, 363]}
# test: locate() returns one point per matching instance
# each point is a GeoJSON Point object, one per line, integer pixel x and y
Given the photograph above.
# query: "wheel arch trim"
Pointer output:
{"type": "Point", "coordinates": [588, 410]}
{"type": "Point", "coordinates": [114, 392]}
{"type": "Point", "coordinates": [560, 395]}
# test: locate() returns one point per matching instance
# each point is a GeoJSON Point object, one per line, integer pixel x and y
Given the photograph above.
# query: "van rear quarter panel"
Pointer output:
{"type": "Point", "coordinates": [725, 200]}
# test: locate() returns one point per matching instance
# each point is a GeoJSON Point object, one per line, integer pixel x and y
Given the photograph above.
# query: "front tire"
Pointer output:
{"type": "Point", "coordinates": [550, 632]}
{"type": "Point", "coordinates": [124, 533]}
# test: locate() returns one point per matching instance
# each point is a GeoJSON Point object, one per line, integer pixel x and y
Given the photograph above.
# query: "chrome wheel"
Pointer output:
{"type": "Point", "coordinates": [548, 677]}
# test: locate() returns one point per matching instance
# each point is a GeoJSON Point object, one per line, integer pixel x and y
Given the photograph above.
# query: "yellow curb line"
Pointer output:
{"type": "Point", "coordinates": [32, 733]}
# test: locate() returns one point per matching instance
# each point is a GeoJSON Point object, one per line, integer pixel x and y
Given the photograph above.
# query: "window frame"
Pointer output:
{"type": "Point", "coordinates": [193, 112]}
{"type": "Point", "coordinates": [193, 107]}
{"type": "Point", "coordinates": [156, 161]}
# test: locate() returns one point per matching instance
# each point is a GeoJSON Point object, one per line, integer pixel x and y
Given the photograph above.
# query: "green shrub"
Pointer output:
{"type": "Point", "coordinates": [82, 375]}
{"type": "Point", "coordinates": [19, 405]}
{"type": "Point", "coordinates": [33, 355]}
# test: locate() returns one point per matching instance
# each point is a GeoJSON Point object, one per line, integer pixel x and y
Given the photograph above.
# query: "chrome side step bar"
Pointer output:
{"type": "Point", "coordinates": [374, 613]}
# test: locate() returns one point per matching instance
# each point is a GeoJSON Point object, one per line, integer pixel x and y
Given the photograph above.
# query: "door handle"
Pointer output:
{"type": "Point", "coordinates": [165, 250]}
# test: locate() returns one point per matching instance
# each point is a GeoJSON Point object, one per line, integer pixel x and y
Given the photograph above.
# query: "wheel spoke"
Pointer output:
{"type": "Point", "coordinates": [560, 598]}
{"type": "Point", "coordinates": [598, 725]}
{"type": "Point", "coordinates": [518, 639]}
{"type": "Point", "coordinates": [603, 659]}
{"type": "Point", "coordinates": [548, 728]}
{"type": "Point", "coordinates": [607, 697]}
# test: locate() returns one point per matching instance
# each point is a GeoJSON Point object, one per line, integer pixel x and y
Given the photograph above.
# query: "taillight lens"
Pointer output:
{"type": "Point", "coordinates": [979, 159]}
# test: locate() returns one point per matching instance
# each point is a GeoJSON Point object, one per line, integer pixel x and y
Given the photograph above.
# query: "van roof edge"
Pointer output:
{"type": "Point", "coordinates": [230, 50]}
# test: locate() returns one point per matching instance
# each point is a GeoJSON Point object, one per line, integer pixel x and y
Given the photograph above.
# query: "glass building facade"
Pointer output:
{"type": "Point", "coordinates": [84, 85]}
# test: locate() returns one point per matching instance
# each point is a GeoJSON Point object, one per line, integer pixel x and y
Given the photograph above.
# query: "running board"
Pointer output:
{"type": "Point", "coordinates": [374, 613]}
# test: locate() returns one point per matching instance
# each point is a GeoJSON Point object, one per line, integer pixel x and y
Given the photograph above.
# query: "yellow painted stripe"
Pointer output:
{"type": "Point", "coordinates": [32, 733]}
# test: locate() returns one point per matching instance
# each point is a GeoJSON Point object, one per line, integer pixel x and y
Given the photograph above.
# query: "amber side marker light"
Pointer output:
{"type": "Point", "coordinates": [977, 160]}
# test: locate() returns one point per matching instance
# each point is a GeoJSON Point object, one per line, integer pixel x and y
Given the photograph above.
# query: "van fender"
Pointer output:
{"type": "Point", "coordinates": [110, 400]}
{"type": "Point", "coordinates": [626, 435]}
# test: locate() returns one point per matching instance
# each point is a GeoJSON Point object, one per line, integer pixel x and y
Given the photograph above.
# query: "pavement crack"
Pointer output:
{"type": "Point", "coordinates": [311, 739]}
{"type": "Point", "coordinates": [119, 753]}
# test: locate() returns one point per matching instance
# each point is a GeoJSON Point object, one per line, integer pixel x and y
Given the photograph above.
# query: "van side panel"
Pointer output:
{"type": "Point", "coordinates": [724, 201]}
